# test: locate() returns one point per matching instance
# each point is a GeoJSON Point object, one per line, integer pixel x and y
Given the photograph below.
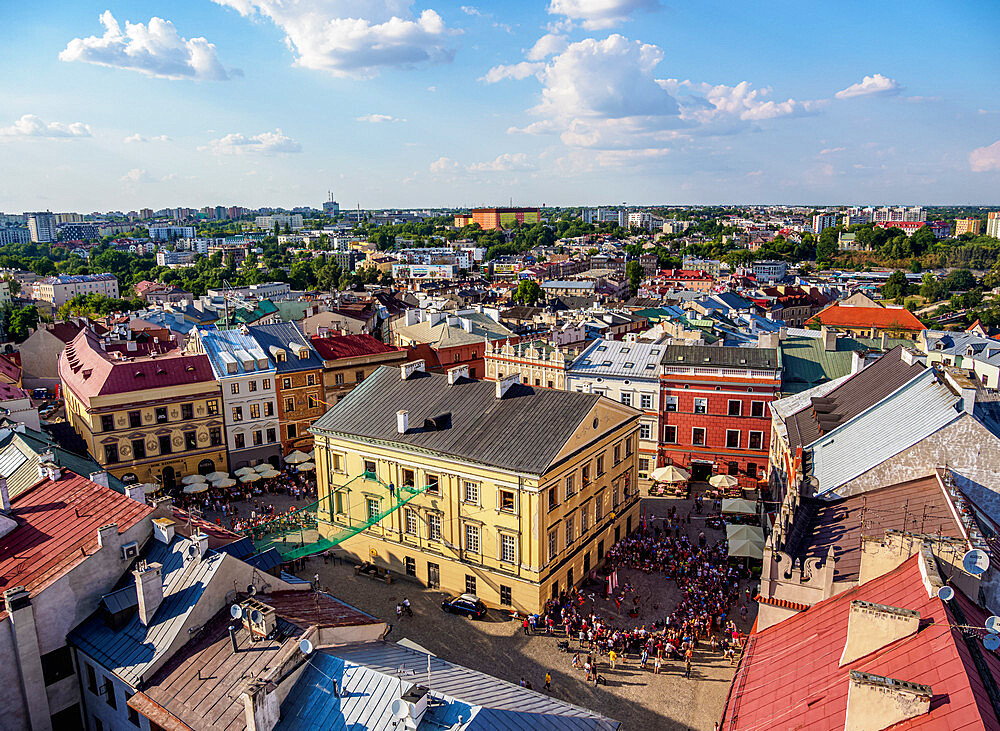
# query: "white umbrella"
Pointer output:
{"type": "Point", "coordinates": [739, 506]}
{"type": "Point", "coordinates": [306, 467]}
{"type": "Point", "coordinates": [243, 471]}
{"type": "Point", "coordinates": [723, 481]}
{"type": "Point", "coordinates": [263, 467]}
{"type": "Point", "coordinates": [296, 457]}
{"type": "Point", "coordinates": [192, 479]}
{"type": "Point", "coordinates": [224, 482]}
{"type": "Point", "coordinates": [216, 476]}
{"type": "Point", "coordinates": [745, 540]}
{"type": "Point", "coordinates": [148, 488]}
{"type": "Point", "coordinates": [670, 473]}
{"type": "Point", "coordinates": [195, 487]}
{"type": "Point", "coordinates": [251, 477]}
{"type": "Point", "coordinates": [269, 474]}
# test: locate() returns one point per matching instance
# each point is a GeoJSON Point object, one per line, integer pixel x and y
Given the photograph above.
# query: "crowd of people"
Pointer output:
{"type": "Point", "coordinates": [709, 588]}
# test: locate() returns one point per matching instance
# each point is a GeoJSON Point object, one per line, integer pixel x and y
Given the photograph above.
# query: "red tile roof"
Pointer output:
{"type": "Point", "coordinates": [790, 677]}
{"type": "Point", "coordinates": [349, 346]}
{"type": "Point", "coordinates": [9, 370]}
{"type": "Point", "coordinates": [887, 318]}
{"type": "Point", "coordinates": [90, 371]}
{"type": "Point", "coordinates": [9, 391]}
{"type": "Point", "coordinates": [56, 530]}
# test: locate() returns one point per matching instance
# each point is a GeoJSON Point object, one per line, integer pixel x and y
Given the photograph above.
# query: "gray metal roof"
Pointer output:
{"type": "Point", "coordinates": [618, 358]}
{"type": "Point", "coordinates": [132, 651]}
{"type": "Point", "coordinates": [523, 431]}
{"type": "Point", "coordinates": [706, 355]}
{"type": "Point", "coordinates": [279, 335]}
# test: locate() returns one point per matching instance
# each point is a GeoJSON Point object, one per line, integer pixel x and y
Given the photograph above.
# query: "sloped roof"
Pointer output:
{"type": "Point", "coordinates": [884, 318]}
{"type": "Point", "coordinates": [56, 530]}
{"type": "Point", "coordinates": [790, 677]}
{"type": "Point", "coordinates": [619, 358]}
{"type": "Point", "coordinates": [443, 335]}
{"type": "Point", "coordinates": [350, 346]}
{"type": "Point", "coordinates": [729, 357]}
{"type": "Point", "coordinates": [523, 431]}
{"type": "Point", "coordinates": [279, 335]}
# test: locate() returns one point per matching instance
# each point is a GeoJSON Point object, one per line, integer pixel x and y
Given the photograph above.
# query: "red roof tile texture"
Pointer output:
{"type": "Point", "coordinates": [307, 608]}
{"type": "Point", "coordinates": [885, 318]}
{"type": "Point", "coordinates": [789, 676]}
{"type": "Point", "coordinates": [349, 346]}
{"type": "Point", "coordinates": [56, 530]}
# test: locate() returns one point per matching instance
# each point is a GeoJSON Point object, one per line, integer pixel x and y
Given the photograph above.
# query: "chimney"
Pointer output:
{"type": "Point", "coordinates": [107, 536]}
{"type": "Point", "coordinates": [857, 361]}
{"type": "Point", "coordinates": [201, 540]}
{"type": "Point", "coordinates": [466, 324]}
{"type": "Point", "coordinates": [4, 496]}
{"type": "Point", "coordinates": [163, 530]}
{"type": "Point", "coordinates": [135, 493]}
{"type": "Point", "coordinates": [911, 356]}
{"type": "Point", "coordinates": [408, 369]}
{"type": "Point", "coordinates": [149, 590]}
{"type": "Point", "coordinates": [871, 627]}
{"type": "Point", "coordinates": [829, 338]}
{"type": "Point", "coordinates": [875, 703]}
{"type": "Point", "coordinates": [100, 478]}
{"type": "Point", "coordinates": [457, 372]}
{"type": "Point", "coordinates": [884, 342]}
{"type": "Point", "coordinates": [402, 421]}
{"type": "Point", "coordinates": [261, 708]}
{"type": "Point", "coordinates": [504, 384]}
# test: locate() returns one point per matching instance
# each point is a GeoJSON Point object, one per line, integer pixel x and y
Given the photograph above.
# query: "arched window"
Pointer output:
{"type": "Point", "coordinates": [206, 466]}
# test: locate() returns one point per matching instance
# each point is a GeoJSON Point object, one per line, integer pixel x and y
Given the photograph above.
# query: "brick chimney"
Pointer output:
{"type": "Point", "coordinates": [875, 703]}
{"type": "Point", "coordinates": [107, 536]}
{"type": "Point", "coordinates": [504, 384]}
{"type": "Point", "coordinates": [871, 627]}
{"type": "Point", "coordinates": [408, 369]}
{"type": "Point", "coordinates": [457, 372]}
{"type": "Point", "coordinates": [260, 707]}
{"type": "Point", "coordinates": [4, 496]}
{"type": "Point", "coordinates": [201, 540]}
{"type": "Point", "coordinates": [829, 338]}
{"type": "Point", "coordinates": [149, 590]}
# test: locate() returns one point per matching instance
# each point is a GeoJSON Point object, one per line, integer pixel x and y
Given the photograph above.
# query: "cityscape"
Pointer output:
{"type": "Point", "coordinates": [579, 364]}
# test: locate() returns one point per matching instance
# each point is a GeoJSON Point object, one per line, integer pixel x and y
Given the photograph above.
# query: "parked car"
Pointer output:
{"type": "Point", "coordinates": [466, 604]}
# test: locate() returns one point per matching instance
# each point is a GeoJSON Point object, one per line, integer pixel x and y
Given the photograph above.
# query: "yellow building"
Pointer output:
{"type": "Point", "coordinates": [521, 490]}
{"type": "Point", "coordinates": [968, 226]}
{"type": "Point", "coordinates": [146, 416]}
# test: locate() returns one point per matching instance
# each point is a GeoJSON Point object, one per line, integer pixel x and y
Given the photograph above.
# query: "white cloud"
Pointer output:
{"type": "Point", "coordinates": [831, 150]}
{"type": "Point", "coordinates": [155, 50]}
{"type": "Point", "coordinates": [266, 143]}
{"type": "Point", "coordinates": [355, 38]}
{"type": "Point", "coordinates": [377, 118]}
{"type": "Point", "coordinates": [141, 138]}
{"type": "Point", "coordinates": [547, 45]}
{"type": "Point", "coordinates": [516, 71]}
{"type": "Point", "coordinates": [444, 165]}
{"type": "Point", "coordinates": [600, 13]}
{"type": "Point", "coordinates": [31, 125]}
{"type": "Point", "coordinates": [876, 84]}
{"type": "Point", "coordinates": [136, 175]}
{"type": "Point", "coordinates": [985, 159]}
{"type": "Point", "coordinates": [507, 162]}
{"type": "Point", "coordinates": [707, 103]}
{"type": "Point", "coordinates": [471, 10]}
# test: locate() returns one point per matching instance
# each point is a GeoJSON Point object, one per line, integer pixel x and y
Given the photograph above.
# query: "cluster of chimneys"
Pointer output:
{"type": "Point", "coordinates": [149, 577]}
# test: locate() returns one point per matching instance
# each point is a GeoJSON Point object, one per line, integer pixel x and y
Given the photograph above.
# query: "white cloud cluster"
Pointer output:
{"type": "Point", "coordinates": [156, 50]}
{"type": "Point", "coordinates": [547, 45]}
{"type": "Point", "coordinates": [142, 138]}
{"type": "Point", "coordinates": [508, 162]}
{"type": "Point", "coordinates": [136, 175]}
{"type": "Point", "coordinates": [517, 71]}
{"type": "Point", "coordinates": [707, 102]}
{"type": "Point", "coordinates": [875, 84]}
{"type": "Point", "coordinates": [266, 143]}
{"type": "Point", "coordinates": [595, 14]}
{"type": "Point", "coordinates": [378, 118]}
{"type": "Point", "coordinates": [355, 38]}
{"type": "Point", "coordinates": [31, 125]}
{"type": "Point", "coordinates": [985, 159]}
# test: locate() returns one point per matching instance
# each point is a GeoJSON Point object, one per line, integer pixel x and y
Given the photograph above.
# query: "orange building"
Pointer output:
{"type": "Point", "coordinates": [492, 218]}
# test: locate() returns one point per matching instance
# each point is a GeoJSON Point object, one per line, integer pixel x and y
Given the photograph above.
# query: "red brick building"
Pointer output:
{"type": "Point", "coordinates": [713, 409]}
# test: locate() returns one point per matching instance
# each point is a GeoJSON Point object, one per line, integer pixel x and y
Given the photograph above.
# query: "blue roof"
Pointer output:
{"type": "Point", "coordinates": [135, 650]}
{"type": "Point", "coordinates": [279, 335]}
{"type": "Point", "coordinates": [217, 342]}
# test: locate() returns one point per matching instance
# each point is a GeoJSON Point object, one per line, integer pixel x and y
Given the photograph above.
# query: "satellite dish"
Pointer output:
{"type": "Point", "coordinates": [255, 616]}
{"type": "Point", "coordinates": [993, 624]}
{"type": "Point", "coordinates": [306, 646]}
{"type": "Point", "coordinates": [236, 611]}
{"type": "Point", "coordinates": [946, 593]}
{"type": "Point", "coordinates": [252, 590]}
{"type": "Point", "coordinates": [991, 642]}
{"type": "Point", "coordinates": [976, 561]}
{"type": "Point", "coordinates": [400, 708]}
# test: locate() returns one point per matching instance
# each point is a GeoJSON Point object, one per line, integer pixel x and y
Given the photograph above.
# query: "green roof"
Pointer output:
{"type": "Point", "coordinates": [263, 309]}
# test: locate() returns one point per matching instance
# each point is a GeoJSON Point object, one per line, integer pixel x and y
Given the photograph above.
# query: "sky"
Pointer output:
{"type": "Point", "coordinates": [119, 105]}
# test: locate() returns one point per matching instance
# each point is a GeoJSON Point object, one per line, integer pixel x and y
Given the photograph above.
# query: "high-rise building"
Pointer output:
{"type": "Point", "coordinates": [14, 235]}
{"type": "Point", "coordinates": [42, 227]}
{"type": "Point", "coordinates": [968, 226]}
{"type": "Point", "coordinates": [331, 207]}
{"type": "Point", "coordinates": [823, 221]}
{"type": "Point", "coordinates": [993, 224]}
{"type": "Point", "coordinates": [493, 218]}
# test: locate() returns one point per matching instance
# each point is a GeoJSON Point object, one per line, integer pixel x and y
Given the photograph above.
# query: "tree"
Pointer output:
{"type": "Point", "coordinates": [528, 292]}
{"type": "Point", "coordinates": [19, 322]}
{"type": "Point", "coordinates": [635, 274]}
{"type": "Point", "coordinates": [960, 280]}
{"type": "Point", "coordinates": [896, 287]}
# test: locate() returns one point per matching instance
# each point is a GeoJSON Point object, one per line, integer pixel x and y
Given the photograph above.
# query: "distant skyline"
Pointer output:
{"type": "Point", "coordinates": [395, 103]}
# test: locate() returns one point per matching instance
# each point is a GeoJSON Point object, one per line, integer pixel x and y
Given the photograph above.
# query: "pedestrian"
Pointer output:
{"type": "Point", "coordinates": [687, 666]}
{"type": "Point", "coordinates": [548, 680]}
{"type": "Point", "coordinates": [576, 661]}
{"type": "Point", "coordinates": [523, 684]}
{"type": "Point", "coordinates": [399, 611]}
{"type": "Point", "coordinates": [656, 665]}
{"type": "Point", "coordinates": [613, 658]}
{"type": "Point", "coordinates": [316, 582]}
{"type": "Point", "coordinates": [406, 607]}
{"type": "Point", "coordinates": [589, 668]}
{"type": "Point", "coordinates": [526, 626]}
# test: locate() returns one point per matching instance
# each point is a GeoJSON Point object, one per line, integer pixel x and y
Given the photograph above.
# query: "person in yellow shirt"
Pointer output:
{"type": "Point", "coordinates": [548, 680]}
{"type": "Point", "coordinates": [613, 657]}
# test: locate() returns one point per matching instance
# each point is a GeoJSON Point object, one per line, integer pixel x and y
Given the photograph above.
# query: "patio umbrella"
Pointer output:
{"type": "Point", "coordinates": [242, 471]}
{"type": "Point", "coordinates": [296, 457]}
{"type": "Point", "coordinates": [723, 481]}
{"type": "Point", "coordinates": [216, 476]}
{"type": "Point", "coordinates": [225, 482]}
{"type": "Point", "coordinates": [269, 474]}
{"type": "Point", "coordinates": [195, 487]}
{"type": "Point", "coordinates": [251, 477]}
{"type": "Point", "coordinates": [192, 479]}
{"type": "Point", "coordinates": [148, 488]}
{"type": "Point", "coordinates": [739, 506]}
{"type": "Point", "coordinates": [745, 540]}
{"type": "Point", "coordinates": [306, 467]}
{"type": "Point", "coordinates": [669, 474]}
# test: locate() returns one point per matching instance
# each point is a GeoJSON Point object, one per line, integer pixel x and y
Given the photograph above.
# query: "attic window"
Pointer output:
{"type": "Point", "coordinates": [625, 350]}
{"type": "Point", "coordinates": [160, 372]}
{"type": "Point", "coordinates": [190, 368]}
{"type": "Point", "coordinates": [606, 363]}
{"type": "Point", "coordinates": [708, 359]}
{"type": "Point", "coordinates": [650, 366]}
{"type": "Point", "coordinates": [140, 374]}
{"type": "Point", "coordinates": [743, 361]}
{"type": "Point", "coordinates": [629, 365]}
{"type": "Point", "coordinates": [680, 358]}
{"type": "Point", "coordinates": [601, 348]}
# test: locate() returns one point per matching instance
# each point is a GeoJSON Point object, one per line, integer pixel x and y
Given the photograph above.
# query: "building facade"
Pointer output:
{"type": "Point", "coordinates": [151, 418]}
{"type": "Point", "coordinates": [298, 381]}
{"type": "Point", "coordinates": [514, 493]}
{"type": "Point", "coordinates": [993, 224]}
{"type": "Point", "coordinates": [713, 409]}
{"type": "Point", "coordinates": [249, 396]}
{"type": "Point", "coordinates": [60, 289]}
{"type": "Point", "coordinates": [493, 218]}
{"type": "Point", "coordinates": [350, 359]}
{"type": "Point", "coordinates": [535, 361]}
{"type": "Point", "coordinates": [42, 227]}
{"type": "Point", "coordinates": [968, 226]}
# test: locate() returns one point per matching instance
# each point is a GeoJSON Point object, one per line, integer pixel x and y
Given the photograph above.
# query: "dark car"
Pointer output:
{"type": "Point", "coordinates": [466, 604]}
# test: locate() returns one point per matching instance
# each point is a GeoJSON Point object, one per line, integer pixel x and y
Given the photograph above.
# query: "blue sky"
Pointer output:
{"type": "Point", "coordinates": [438, 103]}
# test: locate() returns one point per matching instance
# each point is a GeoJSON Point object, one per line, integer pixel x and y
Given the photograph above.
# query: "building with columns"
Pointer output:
{"type": "Point", "coordinates": [535, 361]}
